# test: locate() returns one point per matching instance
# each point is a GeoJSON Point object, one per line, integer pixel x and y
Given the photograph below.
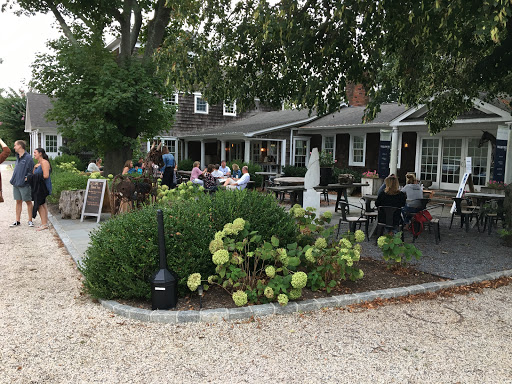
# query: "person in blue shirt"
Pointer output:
{"type": "Point", "coordinates": [21, 188]}
{"type": "Point", "coordinates": [237, 173]}
{"type": "Point", "coordinates": [168, 168]}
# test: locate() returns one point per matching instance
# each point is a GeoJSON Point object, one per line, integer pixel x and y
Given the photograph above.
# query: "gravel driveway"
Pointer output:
{"type": "Point", "coordinates": [50, 333]}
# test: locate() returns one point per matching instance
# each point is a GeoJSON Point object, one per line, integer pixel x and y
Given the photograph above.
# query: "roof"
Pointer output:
{"type": "Point", "coordinates": [353, 116]}
{"type": "Point", "coordinates": [37, 105]}
{"type": "Point", "coordinates": [259, 122]}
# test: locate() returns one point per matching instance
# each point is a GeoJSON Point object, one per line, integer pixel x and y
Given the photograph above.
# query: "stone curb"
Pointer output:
{"type": "Point", "coordinates": [241, 313]}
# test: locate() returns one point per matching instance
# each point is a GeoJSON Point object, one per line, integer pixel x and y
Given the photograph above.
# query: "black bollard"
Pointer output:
{"type": "Point", "coordinates": [164, 285]}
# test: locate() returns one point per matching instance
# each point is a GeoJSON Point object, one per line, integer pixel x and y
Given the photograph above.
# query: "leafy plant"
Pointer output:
{"type": "Point", "coordinates": [395, 250]}
{"type": "Point", "coordinates": [184, 191]}
{"type": "Point", "coordinates": [185, 164]}
{"type": "Point", "coordinates": [65, 158]}
{"type": "Point", "coordinates": [293, 171]}
{"type": "Point", "coordinates": [496, 184]}
{"type": "Point", "coordinates": [65, 180]}
{"type": "Point", "coordinates": [326, 159]}
{"type": "Point", "coordinates": [370, 174]}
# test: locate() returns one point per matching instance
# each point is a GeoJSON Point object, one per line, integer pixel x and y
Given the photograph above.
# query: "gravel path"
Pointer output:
{"type": "Point", "coordinates": [52, 334]}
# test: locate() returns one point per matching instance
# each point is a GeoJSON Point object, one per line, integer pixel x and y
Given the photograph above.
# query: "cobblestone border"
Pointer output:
{"type": "Point", "coordinates": [221, 314]}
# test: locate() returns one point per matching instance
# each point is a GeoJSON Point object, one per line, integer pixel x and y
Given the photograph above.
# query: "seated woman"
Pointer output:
{"type": "Point", "coordinates": [236, 173]}
{"type": "Point", "coordinates": [196, 174]}
{"type": "Point", "coordinates": [391, 197]}
{"type": "Point", "coordinates": [128, 166]}
{"type": "Point", "coordinates": [208, 179]}
{"type": "Point", "coordinates": [414, 193]}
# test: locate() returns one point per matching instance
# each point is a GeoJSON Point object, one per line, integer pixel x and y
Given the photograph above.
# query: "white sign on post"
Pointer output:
{"type": "Point", "coordinates": [462, 186]}
{"type": "Point", "coordinates": [468, 165]}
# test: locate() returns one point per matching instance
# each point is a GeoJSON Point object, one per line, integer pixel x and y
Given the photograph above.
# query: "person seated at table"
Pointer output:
{"type": "Point", "coordinates": [383, 186]}
{"type": "Point", "coordinates": [128, 167]}
{"type": "Point", "coordinates": [237, 173]}
{"type": "Point", "coordinates": [414, 193]}
{"type": "Point", "coordinates": [196, 174]}
{"type": "Point", "coordinates": [95, 166]}
{"type": "Point", "coordinates": [224, 168]}
{"type": "Point", "coordinates": [208, 179]}
{"type": "Point", "coordinates": [240, 183]}
{"type": "Point", "coordinates": [216, 172]}
{"type": "Point", "coordinates": [391, 197]}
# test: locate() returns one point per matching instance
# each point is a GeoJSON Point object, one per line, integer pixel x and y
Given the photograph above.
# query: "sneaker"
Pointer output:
{"type": "Point", "coordinates": [15, 224]}
{"type": "Point", "coordinates": [30, 224]}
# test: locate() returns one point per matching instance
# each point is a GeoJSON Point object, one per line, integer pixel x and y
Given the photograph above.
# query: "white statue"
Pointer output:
{"type": "Point", "coordinates": [312, 179]}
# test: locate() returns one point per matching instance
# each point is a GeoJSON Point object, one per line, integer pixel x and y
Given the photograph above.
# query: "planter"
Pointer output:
{"type": "Point", "coordinates": [373, 187]}
{"type": "Point", "coordinates": [494, 191]}
{"type": "Point", "coordinates": [325, 176]}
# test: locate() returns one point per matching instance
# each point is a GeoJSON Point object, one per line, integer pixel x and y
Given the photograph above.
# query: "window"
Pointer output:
{"type": "Point", "coordinates": [171, 145]}
{"type": "Point", "coordinates": [429, 159]}
{"type": "Point", "coordinates": [328, 145]}
{"type": "Point", "coordinates": [230, 109]}
{"type": "Point", "coordinates": [301, 152]}
{"type": "Point", "coordinates": [200, 105]}
{"type": "Point", "coordinates": [172, 100]}
{"type": "Point", "coordinates": [51, 143]}
{"type": "Point", "coordinates": [357, 150]}
{"type": "Point", "coordinates": [479, 161]}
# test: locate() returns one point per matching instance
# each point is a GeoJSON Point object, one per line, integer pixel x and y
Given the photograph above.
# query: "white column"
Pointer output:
{"type": "Point", "coordinates": [222, 150]}
{"type": "Point", "coordinates": [393, 162]}
{"type": "Point", "coordinates": [508, 158]}
{"type": "Point", "coordinates": [185, 144]}
{"type": "Point", "coordinates": [247, 151]}
{"type": "Point", "coordinates": [203, 160]}
{"type": "Point", "coordinates": [283, 155]}
{"type": "Point", "coordinates": [291, 147]}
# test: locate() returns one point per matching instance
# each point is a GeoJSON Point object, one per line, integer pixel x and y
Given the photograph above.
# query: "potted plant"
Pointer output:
{"type": "Point", "coordinates": [374, 182]}
{"type": "Point", "coordinates": [326, 163]}
{"type": "Point", "coordinates": [493, 186]}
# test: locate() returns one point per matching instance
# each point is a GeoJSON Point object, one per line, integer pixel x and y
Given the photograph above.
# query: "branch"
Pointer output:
{"type": "Point", "coordinates": [124, 22]}
{"type": "Point", "coordinates": [156, 28]}
{"type": "Point", "coordinates": [62, 22]}
{"type": "Point", "coordinates": [136, 26]}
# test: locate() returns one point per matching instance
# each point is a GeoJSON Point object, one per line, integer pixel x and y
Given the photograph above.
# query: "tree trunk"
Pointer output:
{"type": "Point", "coordinates": [115, 159]}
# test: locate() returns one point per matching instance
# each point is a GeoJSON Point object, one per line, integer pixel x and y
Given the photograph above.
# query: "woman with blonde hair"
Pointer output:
{"type": "Point", "coordinates": [392, 197]}
{"type": "Point", "coordinates": [196, 174]}
{"type": "Point", "coordinates": [237, 173]}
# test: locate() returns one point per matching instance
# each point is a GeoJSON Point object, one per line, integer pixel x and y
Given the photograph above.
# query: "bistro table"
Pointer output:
{"type": "Point", "coordinates": [290, 180]}
{"type": "Point", "coordinates": [341, 190]}
{"type": "Point", "coordinates": [266, 176]}
{"type": "Point", "coordinates": [368, 202]}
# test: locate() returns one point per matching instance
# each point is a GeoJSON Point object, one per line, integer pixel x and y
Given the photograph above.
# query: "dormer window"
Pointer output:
{"type": "Point", "coordinates": [173, 100]}
{"type": "Point", "coordinates": [230, 109]}
{"type": "Point", "coordinates": [200, 105]}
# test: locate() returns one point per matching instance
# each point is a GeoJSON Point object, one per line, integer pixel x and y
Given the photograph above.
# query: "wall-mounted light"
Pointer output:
{"type": "Point", "coordinates": [227, 148]}
{"type": "Point", "coordinates": [406, 145]}
{"type": "Point", "coordinates": [262, 149]}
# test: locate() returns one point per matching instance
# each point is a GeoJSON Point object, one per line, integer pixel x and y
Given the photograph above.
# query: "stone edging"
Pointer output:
{"type": "Point", "coordinates": [221, 314]}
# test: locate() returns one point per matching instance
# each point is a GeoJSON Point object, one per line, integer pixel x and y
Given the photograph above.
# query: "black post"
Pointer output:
{"type": "Point", "coordinates": [161, 239]}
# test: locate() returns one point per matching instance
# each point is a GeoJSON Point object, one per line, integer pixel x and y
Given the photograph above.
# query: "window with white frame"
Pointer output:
{"type": "Point", "coordinates": [328, 145]}
{"type": "Point", "coordinates": [357, 150]}
{"type": "Point", "coordinates": [50, 143]}
{"type": "Point", "coordinates": [173, 100]}
{"type": "Point", "coordinates": [301, 153]}
{"type": "Point", "coordinates": [171, 145]}
{"type": "Point", "coordinates": [230, 109]}
{"type": "Point", "coordinates": [200, 105]}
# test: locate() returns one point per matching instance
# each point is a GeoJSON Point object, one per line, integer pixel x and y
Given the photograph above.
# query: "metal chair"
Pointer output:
{"type": "Point", "coordinates": [492, 216]}
{"type": "Point", "coordinates": [466, 215]}
{"type": "Point", "coordinates": [352, 221]}
{"type": "Point", "coordinates": [391, 222]}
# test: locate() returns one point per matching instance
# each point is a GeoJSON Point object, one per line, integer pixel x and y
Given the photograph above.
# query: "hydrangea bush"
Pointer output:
{"type": "Point", "coordinates": [395, 251]}
{"type": "Point", "coordinates": [184, 191]}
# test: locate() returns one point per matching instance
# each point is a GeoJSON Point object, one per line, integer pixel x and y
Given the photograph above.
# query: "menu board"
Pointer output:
{"type": "Point", "coordinates": [93, 201]}
{"type": "Point", "coordinates": [384, 153]}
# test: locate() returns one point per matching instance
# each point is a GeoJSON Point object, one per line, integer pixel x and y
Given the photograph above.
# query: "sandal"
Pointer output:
{"type": "Point", "coordinates": [42, 227]}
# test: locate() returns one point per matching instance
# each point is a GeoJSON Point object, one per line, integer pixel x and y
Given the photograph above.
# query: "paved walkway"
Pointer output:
{"type": "Point", "coordinates": [51, 333]}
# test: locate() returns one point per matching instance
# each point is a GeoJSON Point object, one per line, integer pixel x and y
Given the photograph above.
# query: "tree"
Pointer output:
{"type": "Point", "coordinates": [440, 53]}
{"type": "Point", "coordinates": [12, 116]}
{"type": "Point", "coordinates": [102, 99]}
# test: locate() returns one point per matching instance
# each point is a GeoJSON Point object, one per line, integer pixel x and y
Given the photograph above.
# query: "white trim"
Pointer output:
{"type": "Point", "coordinates": [198, 96]}
{"type": "Point", "coordinates": [276, 128]}
{"type": "Point", "coordinates": [351, 161]}
{"type": "Point", "coordinates": [224, 113]}
{"type": "Point", "coordinates": [174, 102]}
{"type": "Point", "coordinates": [308, 146]}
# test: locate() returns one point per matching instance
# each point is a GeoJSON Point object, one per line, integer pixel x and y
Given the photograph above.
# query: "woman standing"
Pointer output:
{"type": "Point", "coordinates": [41, 186]}
{"type": "Point", "coordinates": [5, 153]}
{"type": "Point", "coordinates": [168, 168]}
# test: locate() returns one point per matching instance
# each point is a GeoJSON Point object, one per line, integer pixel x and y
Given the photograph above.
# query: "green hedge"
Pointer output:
{"type": "Point", "coordinates": [123, 252]}
{"type": "Point", "coordinates": [293, 171]}
{"type": "Point", "coordinates": [63, 181]}
{"type": "Point", "coordinates": [64, 158]}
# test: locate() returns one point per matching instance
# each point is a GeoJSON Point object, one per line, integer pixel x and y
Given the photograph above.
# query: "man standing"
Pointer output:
{"type": "Point", "coordinates": [224, 168]}
{"type": "Point", "coordinates": [21, 188]}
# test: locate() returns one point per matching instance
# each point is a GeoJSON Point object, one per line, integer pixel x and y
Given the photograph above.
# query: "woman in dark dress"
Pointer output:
{"type": "Point", "coordinates": [392, 197]}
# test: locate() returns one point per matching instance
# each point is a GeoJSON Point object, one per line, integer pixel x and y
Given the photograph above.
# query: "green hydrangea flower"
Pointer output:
{"type": "Point", "coordinates": [359, 236]}
{"type": "Point", "coordinates": [269, 293]}
{"type": "Point", "coordinates": [328, 215]}
{"type": "Point", "coordinates": [320, 243]}
{"type": "Point", "coordinates": [381, 241]}
{"type": "Point", "coordinates": [220, 257]}
{"type": "Point", "coordinates": [215, 245]}
{"type": "Point", "coordinates": [239, 224]}
{"type": "Point", "coordinates": [219, 235]}
{"type": "Point", "coordinates": [295, 206]}
{"type": "Point", "coordinates": [295, 293]}
{"type": "Point", "coordinates": [236, 259]}
{"type": "Point", "coordinates": [309, 255]}
{"type": "Point", "coordinates": [212, 279]}
{"type": "Point", "coordinates": [299, 280]}
{"type": "Point", "coordinates": [282, 299]}
{"type": "Point", "coordinates": [359, 274]}
{"type": "Point", "coordinates": [201, 188]}
{"type": "Point", "coordinates": [299, 212]}
{"type": "Point", "coordinates": [357, 255]}
{"type": "Point", "coordinates": [270, 271]}
{"type": "Point", "coordinates": [193, 281]}
{"type": "Point", "coordinates": [346, 243]}
{"type": "Point", "coordinates": [189, 183]}
{"type": "Point", "coordinates": [240, 298]}
{"type": "Point", "coordinates": [182, 192]}
{"type": "Point", "coordinates": [229, 229]}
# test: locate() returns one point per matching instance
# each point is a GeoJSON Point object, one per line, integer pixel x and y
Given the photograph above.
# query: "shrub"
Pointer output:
{"type": "Point", "coordinates": [64, 158]}
{"type": "Point", "coordinates": [293, 171]}
{"type": "Point", "coordinates": [394, 250]}
{"type": "Point", "coordinates": [185, 164]}
{"type": "Point", "coordinates": [63, 180]}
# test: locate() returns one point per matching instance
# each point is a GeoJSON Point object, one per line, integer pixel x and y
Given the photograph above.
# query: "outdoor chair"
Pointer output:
{"type": "Point", "coordinates": [492, 214]}
{"type": "Point", "coordinates": [466, 214]}
{"type": "Point", "coordinates": [428, 221]}
{"type": "Point", "coordinates": [352, 221]}
{"type": "Point", "coordinates": [391, 216]}
{"type": "Point", "coordinates": [371, 214]}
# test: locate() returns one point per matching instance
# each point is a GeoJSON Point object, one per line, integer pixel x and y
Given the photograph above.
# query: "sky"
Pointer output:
{"type": "Point", "coordinates": [20, 39]}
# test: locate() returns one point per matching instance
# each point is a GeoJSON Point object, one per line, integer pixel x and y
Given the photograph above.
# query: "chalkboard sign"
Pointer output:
{"type": "Point", "coordinates": [93, 201]}
{"type": "Point", "coordinates": [500, 156]}
{"type": "Point", "coordinates": [384, 152]}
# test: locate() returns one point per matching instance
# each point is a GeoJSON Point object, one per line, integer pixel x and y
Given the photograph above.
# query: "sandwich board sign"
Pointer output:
{"type": "Point", "coordinates": [93, 200]}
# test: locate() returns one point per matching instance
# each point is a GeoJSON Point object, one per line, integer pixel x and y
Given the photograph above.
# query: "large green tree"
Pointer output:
{"type": "Point", "coordinates": [105, 99]}
{"type": "Point", "coordinates": [12, 116]}
{"type": "Point", "coordinates": [438, 52]}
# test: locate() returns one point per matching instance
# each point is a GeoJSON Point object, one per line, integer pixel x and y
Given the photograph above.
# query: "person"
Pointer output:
{"type": "Point", "coordinates": [414, 192]}
{"type": "Point", "coordinates": [224, 168]}
{"type": "Point", "coordinates": [392, 197]}
{"type": "Point", "coordinates": [168, 168]}
{"type": "Point", "coordinates": [236, 174]}
{"type": "Point", "coordinates": [196, 174]}
{"type": "Point", "coordinates": [128, 165]}
{"type": "Point", "coordinates": [208, 179]}
{"type": "Point", "coordinates": [216, 172]}
{"type": "Point", "coordinates": [95, 166]}
{"type": "Point", "coordinates": [4, 155]}
{"type": "Point", "coordinates": [41, 186]}
{"type": "Point", "coordinates": [383, 186]}
{"type": "Point", "coordinates": [240, 183]}
{"type": "Point", "coordinates": [21, 188]}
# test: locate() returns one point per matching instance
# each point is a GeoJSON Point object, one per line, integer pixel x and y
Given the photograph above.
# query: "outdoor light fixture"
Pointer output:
{"type": "Point", "coordinates": [262, 149]}
{"type": "Point", "coordinates": [200, 292]}
{"type": "Point", "coordinates": [406, 145]}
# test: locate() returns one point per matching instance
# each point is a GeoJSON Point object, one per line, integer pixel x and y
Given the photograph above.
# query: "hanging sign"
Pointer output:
{"type": "Point", "coordinates": [500, 154]}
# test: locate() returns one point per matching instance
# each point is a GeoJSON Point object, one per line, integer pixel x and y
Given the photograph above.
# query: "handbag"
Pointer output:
{"type": "Point", "coordinates": [418, 221]}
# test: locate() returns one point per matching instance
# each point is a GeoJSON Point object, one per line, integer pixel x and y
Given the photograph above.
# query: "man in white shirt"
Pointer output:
{"type": "Point", "coordinates": [94, 166]}
{"type": "Point", "coordinates": [241, 183]}
{"type": "Point", "coordinates": [224, 168]}
{"type": "Point", "coordinates": [216, 172]}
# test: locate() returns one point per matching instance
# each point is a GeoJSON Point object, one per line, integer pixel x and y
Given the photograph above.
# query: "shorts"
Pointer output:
{"type": "Point", "coordinates": [22, 193]}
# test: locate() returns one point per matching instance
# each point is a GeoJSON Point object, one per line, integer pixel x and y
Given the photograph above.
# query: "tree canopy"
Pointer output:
{"type": "Point", "coordinates": [12, 116]}
{"type": "Point", "coordinates": [440, 53]}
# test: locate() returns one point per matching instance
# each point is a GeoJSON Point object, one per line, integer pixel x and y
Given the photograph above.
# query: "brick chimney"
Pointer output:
{"type": "Point", "coordinates": [356, 95]}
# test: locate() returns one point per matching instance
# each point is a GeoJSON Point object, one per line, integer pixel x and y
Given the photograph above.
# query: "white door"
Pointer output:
{"type": "Point", "coordinates": [451, 163]}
